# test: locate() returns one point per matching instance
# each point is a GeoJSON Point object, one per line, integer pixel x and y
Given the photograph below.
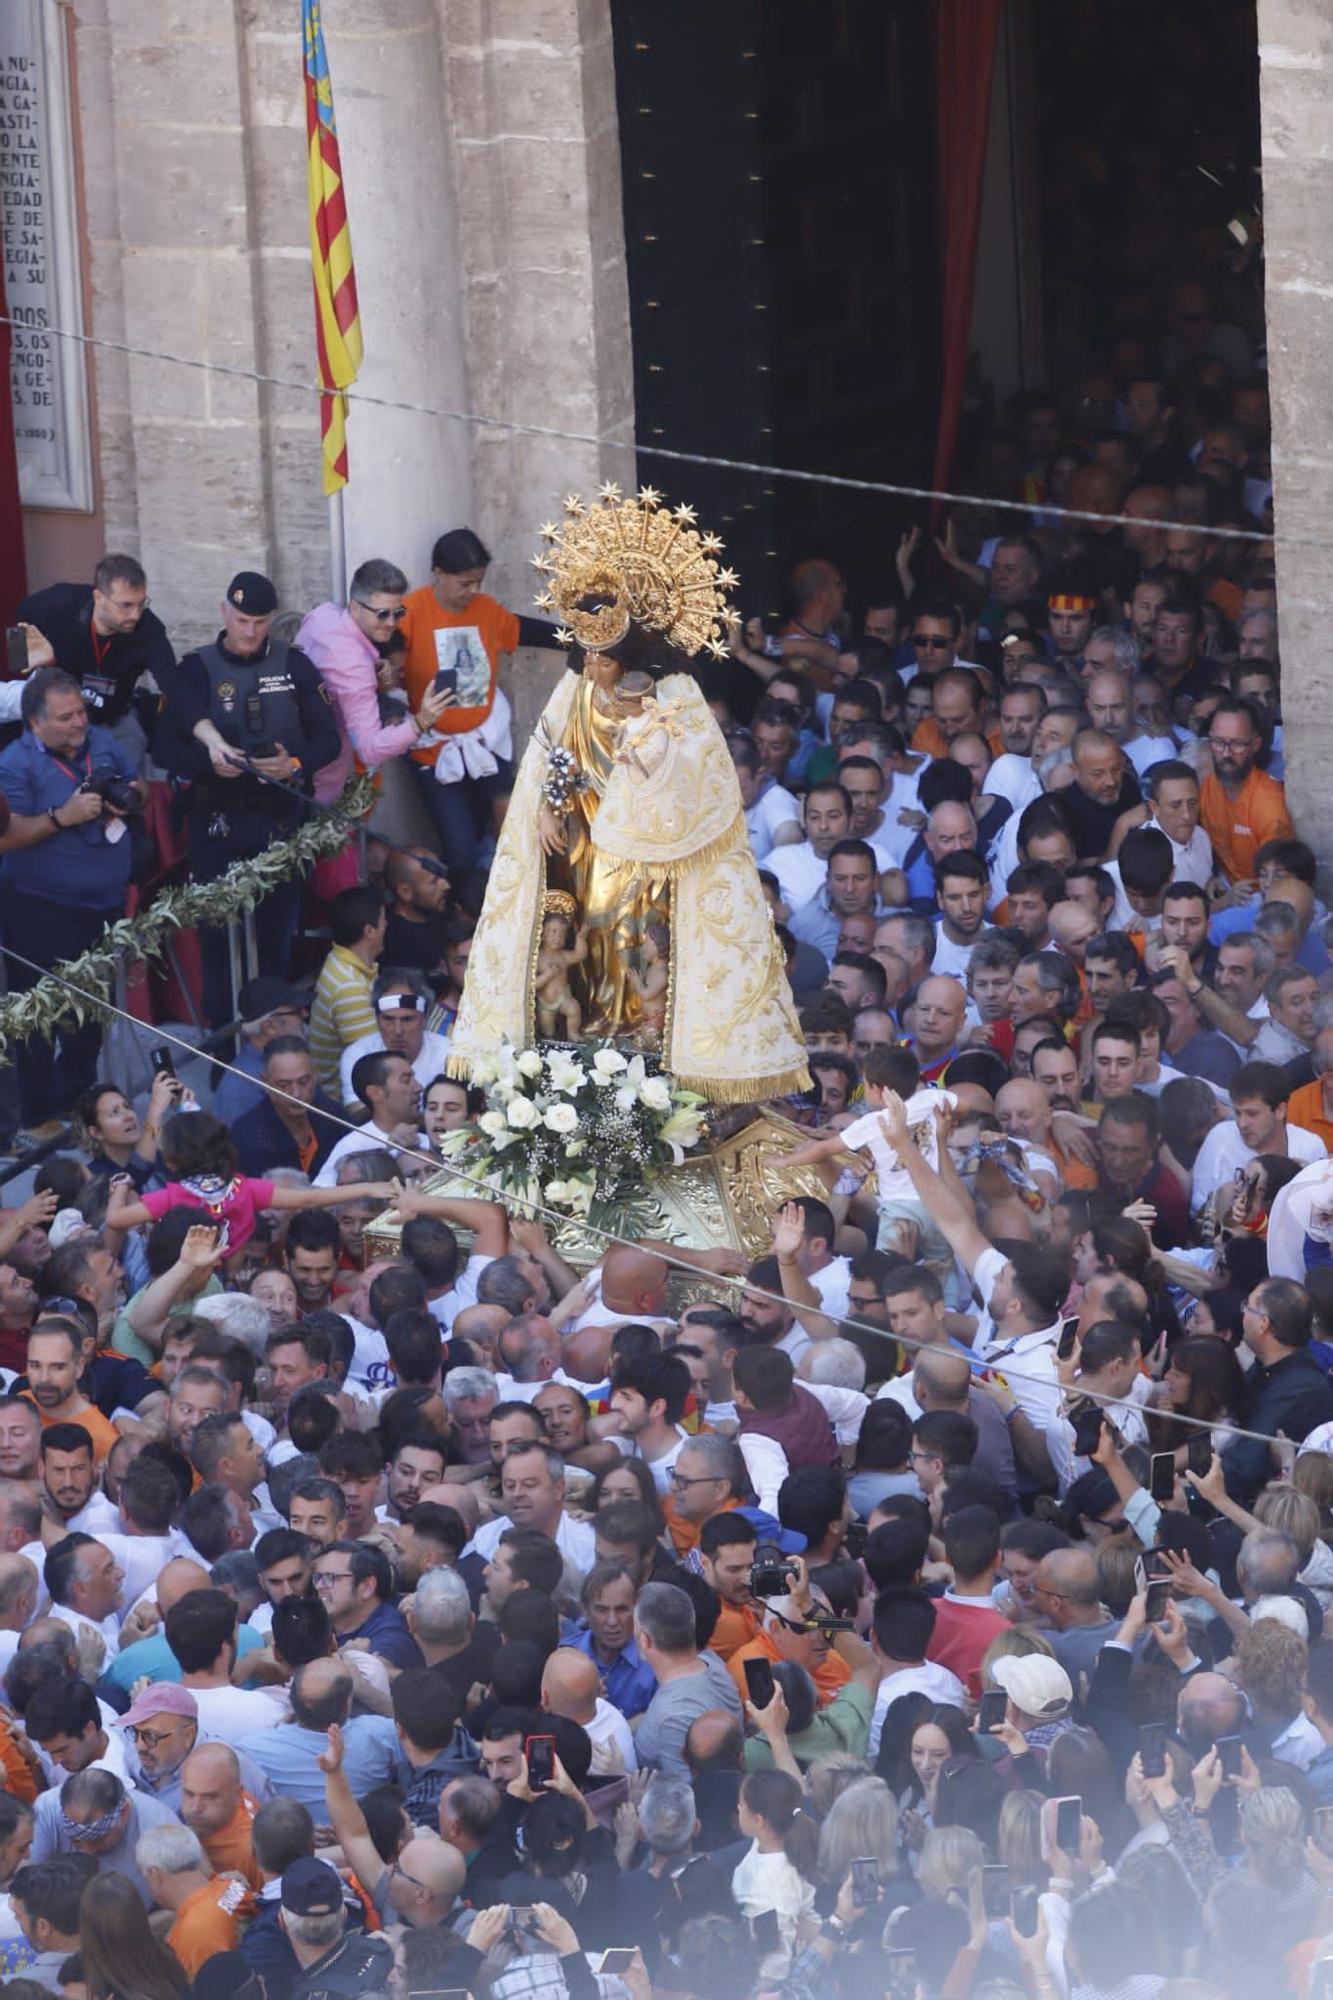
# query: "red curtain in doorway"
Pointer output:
{"type": "Point", "coordinates": [13, 573]}
{"type": "Point", "coordinates": [965, 37]}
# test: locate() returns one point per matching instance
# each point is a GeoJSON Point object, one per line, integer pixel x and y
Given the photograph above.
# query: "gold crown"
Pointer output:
{"type": "Point", "coordinates": [624, 560]}
{"type": "Point", "coordinates": [559, 903]}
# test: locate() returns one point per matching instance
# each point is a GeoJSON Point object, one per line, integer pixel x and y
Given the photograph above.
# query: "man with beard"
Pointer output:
{"type": "Point", "coordinates": [69, 1482]}
{"type": "Point", "coordinates": [54, 1357]}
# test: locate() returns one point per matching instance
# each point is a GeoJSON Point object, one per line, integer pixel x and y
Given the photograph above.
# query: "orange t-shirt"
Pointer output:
{"type": "Point", "coordinates": [99, 1428]}
{"type": "Point", "coordinates": [737, 1625]}
{"type": "Point", "coordinates": [1305, 1107]}
{"type": "Point", "coordinates": [209, 1922]}
{"type": "Point", "coordinates": [928, 736]}
{"type": "Point", "coordinates": [497, 630]}
{"type": "Point", "coordinates": [828, 1678]}
{"type": "Point", "coordinates": [231, 1848]}
{"type": "Point", "coordinates": [1239, 827]}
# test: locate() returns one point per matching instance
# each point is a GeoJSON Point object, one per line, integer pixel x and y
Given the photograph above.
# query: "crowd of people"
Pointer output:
{"type": "Point", "coordinates": [932, 1607]}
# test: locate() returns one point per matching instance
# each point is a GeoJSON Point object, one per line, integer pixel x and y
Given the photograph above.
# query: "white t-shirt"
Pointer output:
{"type": "Point", "coordinates": [463, 1293]}
{"type": "Point", "coordinates": [1193, 859]}
{"type": "Point", "coordinates": [365, 1139]}
{"type": "Point", "coordinates": [929, 1679]}
{"type": "Point", "coordinates": [608, 1725]}
{"type": "Point", "coordinates": [229, 1713]}
{"type": "Point", "coordinates": [833, 1284]}
{"type": "Point", "coordinates": [771, 811]}
{"type": "Point", "coordinates": [575, 1540]}
{"type": "Point", "coordinates": [767, 1464]}
{"type": "Point", "coordinates": [1031, 1371]}
{"type": "Point", "coordinates": [428, 1065]}
{"type": "Point", "coordinates": [1224, 1151]}
{"type": "Point", "coordinates": [1013, 778]}
{"type": "Point", "coordinates": [846, 1408]}
{"type": "Point", "coordinates": [868, 1135]}
{"type": "Point", "coordinates": [953, 959]}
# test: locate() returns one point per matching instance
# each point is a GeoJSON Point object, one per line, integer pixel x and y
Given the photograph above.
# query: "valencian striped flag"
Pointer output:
{"type": "Point", "coordinates": [337, 319]}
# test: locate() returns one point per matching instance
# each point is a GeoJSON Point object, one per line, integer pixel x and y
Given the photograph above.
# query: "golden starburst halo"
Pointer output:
{"type": "Point", "coordinates": [631, 559]}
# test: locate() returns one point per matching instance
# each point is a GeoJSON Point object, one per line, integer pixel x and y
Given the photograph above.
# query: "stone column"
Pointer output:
{"type": "Point", "coordinates": [1296, 93]}
{"type": "Point", "coordinates": [535, 143]}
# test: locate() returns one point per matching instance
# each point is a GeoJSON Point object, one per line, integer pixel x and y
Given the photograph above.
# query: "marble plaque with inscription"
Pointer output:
{"type": "Point", "coordinates": [43, 290]}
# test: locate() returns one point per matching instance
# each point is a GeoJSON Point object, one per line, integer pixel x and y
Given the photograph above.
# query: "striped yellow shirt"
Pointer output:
{"type": "Point", "coordinates": [342, 1012]}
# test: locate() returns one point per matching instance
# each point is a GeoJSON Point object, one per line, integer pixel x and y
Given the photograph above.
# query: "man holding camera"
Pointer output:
{"type": "Point", "coordinates": [70, 789]}
{"type": "Point", "coordinates": [241, 718]}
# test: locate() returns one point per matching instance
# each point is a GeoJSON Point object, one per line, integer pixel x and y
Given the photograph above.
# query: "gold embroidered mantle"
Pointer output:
{"type": "Point", "coordinates": [671, 806]}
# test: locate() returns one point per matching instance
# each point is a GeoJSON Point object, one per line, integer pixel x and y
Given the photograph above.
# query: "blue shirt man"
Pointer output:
{"type": "Point", "coordinates": [65, 872]}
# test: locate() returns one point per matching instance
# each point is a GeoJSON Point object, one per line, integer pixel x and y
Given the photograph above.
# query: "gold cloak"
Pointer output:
{"type": "Point", "coordinates": [671, 806]}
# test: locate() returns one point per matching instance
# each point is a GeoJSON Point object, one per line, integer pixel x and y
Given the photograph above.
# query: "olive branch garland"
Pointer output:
{"type": "Point", "coordinates": [50, 1002]}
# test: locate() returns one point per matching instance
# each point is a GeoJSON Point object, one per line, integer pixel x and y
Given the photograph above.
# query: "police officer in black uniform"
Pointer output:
{"type": "Point", "coordinates": [107, 638]}
{"type": "Point", "coordinates": [251, 695]}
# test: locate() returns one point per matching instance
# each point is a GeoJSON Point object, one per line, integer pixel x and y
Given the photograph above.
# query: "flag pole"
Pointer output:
{"type": "Point", "coordinates": [338, 546]}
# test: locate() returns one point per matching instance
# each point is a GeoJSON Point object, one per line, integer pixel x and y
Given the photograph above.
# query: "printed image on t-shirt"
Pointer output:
{"type": "Point", "coordinates": [459, 650]}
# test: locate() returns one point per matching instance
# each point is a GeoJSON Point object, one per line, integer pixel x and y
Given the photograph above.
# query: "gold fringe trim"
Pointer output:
{"type": "Point", "coordinates": [459, 1068]}
{"type": "Point", "coordinates": [750, 1091]}
{"type": "Point", "coordinates": [700, 857]}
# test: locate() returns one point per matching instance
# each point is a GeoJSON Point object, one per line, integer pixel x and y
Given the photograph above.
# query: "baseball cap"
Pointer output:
{"type": "Point", "coordinates": [1035, 1684]}
{"type": "Point", "coordinates": [266, 994]}
{"type": "Point", "coordinates": [166, 1698]}
{"type": "Point", "coordinates": [311, 1888]}
{"type": "Point", "coordinates": [252, 593]}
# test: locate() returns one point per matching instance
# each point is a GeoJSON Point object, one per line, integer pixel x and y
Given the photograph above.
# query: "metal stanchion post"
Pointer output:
{"type": "Point", "coordinates": [234, 963]}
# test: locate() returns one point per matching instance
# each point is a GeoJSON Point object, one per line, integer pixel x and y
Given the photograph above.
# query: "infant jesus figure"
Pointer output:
{"type": "Point", "coordinates": [563, 945]}
{"type": "Point", "coordinates": [651, 984]}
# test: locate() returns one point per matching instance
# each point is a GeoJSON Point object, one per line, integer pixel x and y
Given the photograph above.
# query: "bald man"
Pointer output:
{"type": "Point", "coordinates": [937, 1022]}
{"type": "Point", "coordinates": [20, 1587]}
{"type": "Point", "coordinates": [1071, 926]}
{"type": "Point", "coordinates": [219, 1811]}
{"type": "Point", "coordinates": [1104, 786]}
{"type": "Point", "coordinates": [144, 1648]}
{"type": "Point", "coordinates": [480, 1326]}
{"type": "Point", "coordinates": [1068, 1593]}
{"type": "Point", "coordinates": [942, 1380]}
{"type": "Point", "coordinates": [571, 1686]}
{"type": "Point", "coordinates": [320, 1694]}
{"type": "Point", "coordinates": [631, 1286]}
{"type": "Point", "coordinates": [1209, 1706]}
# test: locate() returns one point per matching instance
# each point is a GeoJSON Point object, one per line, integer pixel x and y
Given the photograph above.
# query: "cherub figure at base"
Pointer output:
{"type": "Point", "coordinates": [651, 984]}
{"type": "Point", "coordinates": [563, 946]}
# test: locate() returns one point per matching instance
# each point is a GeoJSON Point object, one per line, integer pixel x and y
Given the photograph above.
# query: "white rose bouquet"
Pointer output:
{"type": "Point", "coordinates": [577, 1135]}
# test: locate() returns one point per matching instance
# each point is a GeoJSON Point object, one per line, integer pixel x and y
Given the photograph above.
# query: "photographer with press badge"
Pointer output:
{"type": "Point", "coordinates": [66, 868]}
{"type": "Point", "coordinates": [241, 710]}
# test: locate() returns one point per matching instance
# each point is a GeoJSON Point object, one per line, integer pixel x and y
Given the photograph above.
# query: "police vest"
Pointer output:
{"type": "Point", "coordinates": [253, 702]}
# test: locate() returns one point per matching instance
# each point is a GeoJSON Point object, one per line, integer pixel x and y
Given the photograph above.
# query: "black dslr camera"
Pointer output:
{"type": "Point", "coordinates": [113, 791]}
{"type": "Point", "coordinates": [771, 1576]}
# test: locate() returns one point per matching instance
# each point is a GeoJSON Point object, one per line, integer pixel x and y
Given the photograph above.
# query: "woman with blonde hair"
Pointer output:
{"type": "Point", "coordinates": [861, 1822]}
{"type": "Point", "coordinates": [949, 1854]}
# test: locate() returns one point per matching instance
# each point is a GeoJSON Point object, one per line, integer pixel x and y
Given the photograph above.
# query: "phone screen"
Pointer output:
{"type": "Point", "coordinates": [1064, 1346]}
{"type": "Point", "coordinates": [900, 1967]}
{"type": "Point", "coordinates": [1162, 1476]}
{"type": "Point", "coordinates": [865, 1881]}
{"type": "Point", "coordinates": [1069, 1825]}
{"type": "Point", "coordinates": [994, 1708]}
{"type": "Point", "coordinates": [446, 681]}
{"type": "Point", "coordinates": [1152, 1749]}
{"type": "Point", "coordinates": [765, 1929]}
{"type": "Point", "coordinates": [540, 1753]}
{"type": "Point", "coordinates": [759, 1681]}
{"type": "Point", "coordinates": [1229, 1749]}
{"type": "Point", "coordinates": [1158, 1597]}
{"type": "Point", "coordinates": [1087, 1430]}
{"type": "Point", "coordinates": [16, 650]}
{"type": "Point", "coordinates": [995, 1891]}
{"type": "Point", "coordinates": [1200, 1454]}
{"type": "Point", "coordinates": [617, 1960]}
{"type": "Point", "coordinates": [1023, 1909]}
